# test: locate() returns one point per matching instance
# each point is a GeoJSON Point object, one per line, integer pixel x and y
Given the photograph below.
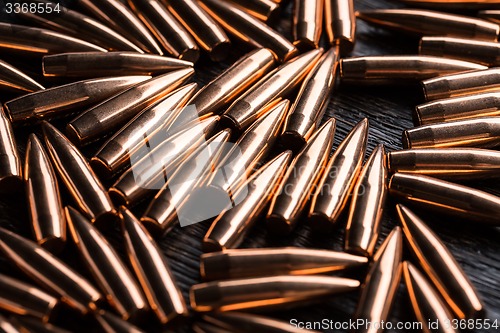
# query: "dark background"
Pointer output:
{"type": "Point", "coordinates": [389, 110]}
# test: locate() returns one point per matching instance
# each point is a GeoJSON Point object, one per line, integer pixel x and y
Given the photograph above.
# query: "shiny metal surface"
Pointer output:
{"type": "Point", "coordinates": [10, 162]}
{"type": "Point", "coordinates": [307, 23]}
{"type": "Point", "coordinates": [14, 80]}
{"type": "Point", "coordinates": [264, 10]}
{"type": "Point", "coordinates": [340, 24]}
{"type": "Point", "coordinates": [111, 323]}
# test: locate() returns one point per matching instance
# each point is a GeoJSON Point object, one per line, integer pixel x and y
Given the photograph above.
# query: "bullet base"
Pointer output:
{"type": "Point", "coordinates": [278, 225]}
{"type": "Point", "coordinates": [220, 51]}
{"type": "Point", "coordinates": [9, 184]}
{"type": "Point", "coordinates": [320, 222]}
{"type": "Point", "coordinates": [293, 141]}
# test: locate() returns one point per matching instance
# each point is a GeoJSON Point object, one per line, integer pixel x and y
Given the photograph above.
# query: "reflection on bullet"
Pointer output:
{"type": "Point", "coordinates": [379, 289]}
{"type": "Point", "coordinates": [230, 227]}
{"type": "Point", "coordinates": [73, 23]}
{"type": "Point", "coordinates": [274, 86]}
{"type": "Point", "coordinates": [163, 211]}
{"type": "Point", "coordinates": [338, 179]}
{"type": "Point", "coordinates": [167, 30]}
{"type": "Point", "coordinates": [447, 163]}
{"type": "Point", "coordinates": [479, 132]}
{"type": "Point", "coordinates": [340, 24]}
{"type": "Point", "coordinates": [311, 102]}
{"type": "Point", "coordinates": [447, 198]}
{"type": "Point", "coordinates": [232, 82]}
{"type": "Point", "coordinates": [462, 84]}
{"type": "Point", "coordinates": [426, 301]}
{"type": "Point", "coordinates": [432, 23]}
{"type": "Point", "coordinates": [12, 79]}
{"type": "Point", "coordinates": [7, 326]}
{"type": "Point", "coordinates": [96, 64]}
{"type": "Point", "coordinates": [266, 293]}
{"type": "Point", "coordinates": [116, 151]}
{"type": "Point", "coordinates": [117, 15]}
{"type": "Point", "coordinates": [398, 69]}
{"type": "Point", "coordinates": [207, 33]}
{"type": "Point", "coordinates": [453, 4]}
{"type": "Point", "coordinates": [367, 205]}
{"type": "Point", "coordinates": [119, 109]}
{"type": "Point", "coordinates": [439, 264]}
{"type": "Point", "coordinates": [299, 183]}
{"type": "Point", "coordinates": [10, 163]}
{"type": "Point", "coordinates": [244, 263]}
{"type": "Point", "coordinates": [307, 23]}
{"type": "Point", "coordinates": [152, 165]}
{"type": "Point", "coordinates": [28, 324]}
{"type": "Point", "coordinates": [152, 269]}
{"type": "Point", "coordinates": [26, 300]}
{"type": "Point", "coordinates": [249, 29]}
{"type": "Point", "coordinates": [61, 100]}
{"type": "Point", "coordinates": [490, 15]}
{"type": "Point", "coordinates": [29, 41]}
{"type": "Point", "coordinates": [458, 108]}
{"type": "Point", "coordinates": [82, 183]}
{"type": "Point", "coordinates": [482, 52]}
{"type": "Point", "coordinates": [110, 323]}
{"type": "Point", "coordinates": [44, 201]}
{"type": "Point", "coordinates": [264, 10]}
{"type": "Point", "coordinates": [49, 272]}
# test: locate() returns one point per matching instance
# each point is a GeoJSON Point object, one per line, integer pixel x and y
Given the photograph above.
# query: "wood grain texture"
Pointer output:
{"type": "Point", "coordinates": [388, 109]}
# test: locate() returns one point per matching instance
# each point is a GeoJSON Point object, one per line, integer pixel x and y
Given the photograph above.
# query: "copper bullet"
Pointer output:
{"type": "Point", "coordinates": [25, 40]}
{"type": "Point", "coordinates": [266, 293]}
{"type": "Point", "coordinates": [490, 15]}
{"type": "Point", "coordinates": [445, 197]}
{"type": "Point", "coordinates": [311, 102]}
{"type": "Point", "coordinates": [62, 100]}
{"type": "Point", "coordinates": [458, 108]}
{"type": "Point", "coordinates": [300, 181]}
{"type": "Point", "coordinates": [151, 165]}
{"type": "Point", "coordinates": [110, 323]}
{"type": "Point", "coordinates": [87, 191]}
{"type": "Point", "coordinates": [207, 33]}
{"type": "Point", "coordinates": [245, 263]}
{"type": "Point", "coordinates": [340, 24]}
{"type": "Point", "coordinates": [10, 163]}
{"type": "Point", "coordinates": [115, 280]}
{"type": "Point", "coordinates": [367, 205]}
{"type": "Point", "coordinates": [28, 324]}
{"type": "Point", "coordinates": [432, 23]}
{"type": "Point", "coordinates": [73, 23]}
{"type": "Point", "coordinates": [379, 289]}
{"type": "Point", "coordinates": [439, 264]}
{"type": "Point", "coordinates": [398, 69]}
{"type": "Point", "coordinates": [49, 272]}
{"type": "Point", "coordinates": [117, 110]}
{"type": "Point", "coordinates": [115, 153]}
{"type": "Point", "coordinates": [167, 30]}
{"type": "Point", "coordinates": [8, 327]}
{"type": "Point", "coordinates": [426, 301]}
{"type": "Point", "coordinates": [12, 79]}
{"type": "Point", "coordinates": [478, 132]}
{"type": "Point", "coordinates": [462, 84]}
{"type": "Point", "coordinates": [264, 10]}
{"type": "Point", "coordinates": [118, 16]}
{"type": "Point", "coordinates": [232, 82]}
{"type": "Point", "coordinates": [27, 300]}
{"type": "Point", "coordinates": [338, 179]}
{"type": "Point", "coordinates": [307, 23]}
{"type": "Point", "coordinates": [482, 52]}
{"type": "Point", "coordinates": [275, 85]}
{"type": "Point", "coordinates": [229, 228]}
{"type": "Point", "coordinates": [44, 201]}
{"type": "Point", "coordinates": [453, 4]}
{"type": "Point", "coordinates": [96, 64]}
{"type": "Point", "coordinates": [152, 269]}
{"type": "Point", "coordinates": [447, 163]}
{"type": "Point", "coordinates": [249, 29]}
{"type": "Point", "coordinates": [166, 209]}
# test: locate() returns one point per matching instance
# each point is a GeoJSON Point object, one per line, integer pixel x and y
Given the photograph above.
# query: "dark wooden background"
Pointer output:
{"type": "Point", "coordinates": [388, 109]}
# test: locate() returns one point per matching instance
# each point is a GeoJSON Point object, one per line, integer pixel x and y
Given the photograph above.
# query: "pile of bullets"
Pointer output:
{"type": "Point", "coordinates": [119, 81]}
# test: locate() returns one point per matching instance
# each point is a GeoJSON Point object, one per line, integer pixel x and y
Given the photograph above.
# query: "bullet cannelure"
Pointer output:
{"type": "Point", "coordinates": [367, 205]}
{"type": "Point", "coordinates": [10, 163]}
{"type": "Point", "coordinates": [114, 112]}
{"type": "Point", "coordinates": [264, 10]}
{"type": "Point", "coordinates": [299, 183]}
{"type": "Point", "coordinates": [446, 197]}
{"type": "Point", "coordinates": [83, 185]}
{"type": "Point", "coordinates": [338, 179]}
{"type": "Point", "coordinates": [340, 24]}
{"type": "Point", "coordinates": [14, 80]}
{"type": "Point", "coordinates": [230, 227]}
{"type": "Point", "coordinates": [379, 289]}
{"type": "Point", "coordinates": [245, 263]}
{"type": "Point", "coordinates": [110, 323]}
{"type": "Point", "coordinates": [49, 272]}
{"type": "Point", "coordinates": [249, 29]}
{"type": "Point", "coordinates": [44, 201]}
{"type": "Point", "coordinates": [440, 266]}
{"type": "Point", "coordinates": [307, 23]}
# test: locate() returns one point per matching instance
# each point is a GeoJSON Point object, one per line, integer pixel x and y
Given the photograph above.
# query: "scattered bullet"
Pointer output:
{"type": "Point", "coordinates": [13, 79]}
{"type": "Point", "coordinates": [307, 23]}
{"type": "Point", "coordinates": [264, 10]}
{"type": "Point", "coordinates": [340, 24]}
{"type": "Point", "coordinates": [10, 163]}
